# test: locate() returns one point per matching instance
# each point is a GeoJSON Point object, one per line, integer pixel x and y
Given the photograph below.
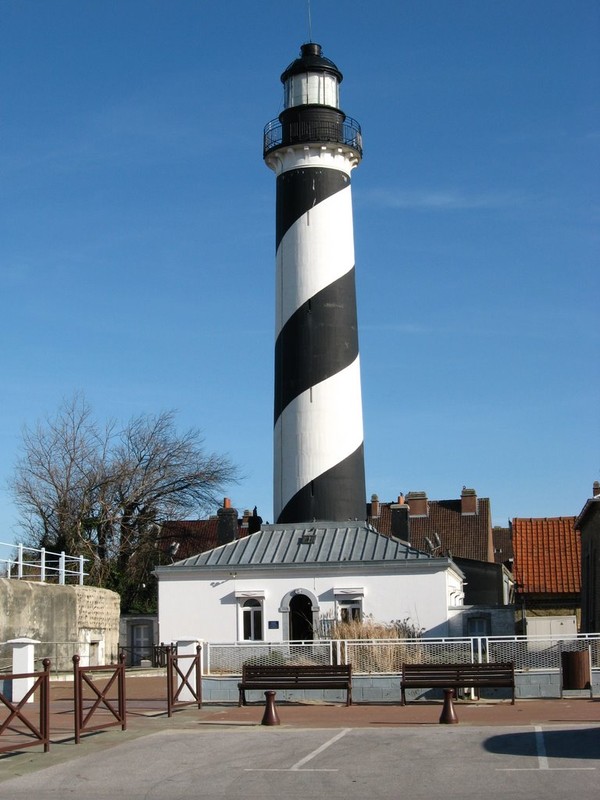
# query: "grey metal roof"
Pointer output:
{"type": "Point", "coordinates": [316, 543]}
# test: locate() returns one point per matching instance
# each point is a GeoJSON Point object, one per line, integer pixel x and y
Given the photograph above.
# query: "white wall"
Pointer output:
{"type": "Point", "coordinates": [207, 608]}
{"type": "Point", "coordinates": [552, 626]}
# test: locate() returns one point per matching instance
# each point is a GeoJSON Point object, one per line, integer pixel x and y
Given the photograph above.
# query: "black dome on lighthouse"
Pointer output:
{"type": "Point", "coordinates": [311, 60]}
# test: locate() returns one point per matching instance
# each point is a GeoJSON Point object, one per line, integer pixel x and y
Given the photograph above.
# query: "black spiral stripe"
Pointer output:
{"type": "Point", "coordinates": [316, 342]}
{"type": "Point", "coordinates": [299, 190]}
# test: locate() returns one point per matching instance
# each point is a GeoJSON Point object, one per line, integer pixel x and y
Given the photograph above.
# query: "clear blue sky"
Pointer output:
{"type": "Point", "coordinates": [137, 231]}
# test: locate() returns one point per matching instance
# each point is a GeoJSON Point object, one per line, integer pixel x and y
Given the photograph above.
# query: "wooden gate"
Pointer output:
{"type": "Point", "coordinates": [84, 677]}
{"type": "Point", "coordinates": [178, 683]}
{"type": "Point", "coordinates": [37, 734]}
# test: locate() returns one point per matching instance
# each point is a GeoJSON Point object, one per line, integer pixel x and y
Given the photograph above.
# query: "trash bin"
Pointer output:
{"type": "Point", "coordinates": [575, 669]}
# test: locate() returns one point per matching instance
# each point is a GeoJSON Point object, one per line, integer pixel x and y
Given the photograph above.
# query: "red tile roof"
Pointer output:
{"type": "Point", "coordinates": [463, 535]}
{"type": "Point", "coordinates": [547, 555]}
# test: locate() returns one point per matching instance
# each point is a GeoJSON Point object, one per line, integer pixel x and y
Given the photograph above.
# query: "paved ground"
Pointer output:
{"type": "Point", "coordinates": [547, 748]}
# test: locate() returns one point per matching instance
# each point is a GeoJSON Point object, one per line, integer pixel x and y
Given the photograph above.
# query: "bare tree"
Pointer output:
{"type": "Point", "coordinates": [104, 492]}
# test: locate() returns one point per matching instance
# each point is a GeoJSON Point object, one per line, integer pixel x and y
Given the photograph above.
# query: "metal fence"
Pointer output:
{"type": "Point", "coordinates": [60, 654]}
{"type": "Point", "coordinates": [156, 654]}
{"type": "Point", "coordinates": [228, 658]}
{"type": "Point", "coordinates": [346, 131]}
{"type": "Point", "coordinates": [386, 656]}
{"type": "Point", "coordinates": [367, 656]}
{"type": "Point", "coordinates": [538, 652]}
{"type": "Point", "coordinates": [39, 564]}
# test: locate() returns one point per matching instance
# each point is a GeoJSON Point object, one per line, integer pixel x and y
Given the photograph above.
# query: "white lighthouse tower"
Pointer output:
{"type": "Point", "coordinates": [318, 438]}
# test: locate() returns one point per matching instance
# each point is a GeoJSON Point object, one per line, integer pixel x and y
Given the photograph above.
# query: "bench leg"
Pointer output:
{"type": "Point", "coordinates": [242, 698]}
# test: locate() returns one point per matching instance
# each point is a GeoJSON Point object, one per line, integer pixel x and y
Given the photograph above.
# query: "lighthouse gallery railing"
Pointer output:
{"type": "Point", "coordinates": [348, 133]}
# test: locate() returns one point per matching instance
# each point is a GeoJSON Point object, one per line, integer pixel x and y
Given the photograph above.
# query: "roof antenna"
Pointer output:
{"type": "Point", "coordinates": [309, 21]}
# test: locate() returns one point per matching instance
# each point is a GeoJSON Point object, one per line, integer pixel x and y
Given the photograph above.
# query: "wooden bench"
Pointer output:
{"type": "Point", "coordinates": [457, 676]}
{"type": "Point", "coordinates": [296, 677]}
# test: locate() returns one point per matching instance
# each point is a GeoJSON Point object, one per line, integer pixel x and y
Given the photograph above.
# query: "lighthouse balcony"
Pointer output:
{"type": "Point", "coordinates": [346, 132]}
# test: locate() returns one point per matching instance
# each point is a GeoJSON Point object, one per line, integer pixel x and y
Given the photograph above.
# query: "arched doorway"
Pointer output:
{"type": "Point", "coordinates": [301, 618]}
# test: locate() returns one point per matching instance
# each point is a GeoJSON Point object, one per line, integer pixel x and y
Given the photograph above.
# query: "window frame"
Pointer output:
{"type": "Point", "coordinates": [251, 618]}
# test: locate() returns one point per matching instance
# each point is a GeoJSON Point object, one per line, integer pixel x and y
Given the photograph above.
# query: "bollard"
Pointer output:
{"type": "Point", "coordinates": [270, 716]}
{"type": "Point", "coordinates": [448, 716]}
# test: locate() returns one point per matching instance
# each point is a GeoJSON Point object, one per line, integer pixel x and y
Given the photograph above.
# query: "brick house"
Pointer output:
{"type": "Point", "coordinates": [547, 568]}
{"type": "Point", "coordinates": [588, 526]}
{"type": "Point", "coordinates": [462, 530]}
{"type": "Point", "coordinates": [188, 537]}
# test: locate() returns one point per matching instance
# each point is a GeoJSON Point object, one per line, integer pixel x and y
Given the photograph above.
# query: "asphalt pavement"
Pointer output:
{"type": "Point", "coordinates": [547, 749]}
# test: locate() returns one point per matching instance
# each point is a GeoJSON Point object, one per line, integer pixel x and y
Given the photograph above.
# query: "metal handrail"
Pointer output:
{"type": "Point", "coordinates": [44, 565]}
{"type": "Point", "coordinates": [347, 133]}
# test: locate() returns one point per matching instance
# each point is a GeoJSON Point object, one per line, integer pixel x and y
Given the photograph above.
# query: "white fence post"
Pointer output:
{"type": "Point", "coordinates": [23, 662]}
{"type": "Point", "coordinates": [20, 561]}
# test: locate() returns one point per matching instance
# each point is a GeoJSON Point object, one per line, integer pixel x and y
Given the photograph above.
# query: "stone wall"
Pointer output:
{"type": "Point", "coordinates": [67, 620]}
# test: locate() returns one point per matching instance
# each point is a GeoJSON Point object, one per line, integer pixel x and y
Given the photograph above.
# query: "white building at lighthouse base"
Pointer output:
{"type": "Point", "coordinates": [289, 583]}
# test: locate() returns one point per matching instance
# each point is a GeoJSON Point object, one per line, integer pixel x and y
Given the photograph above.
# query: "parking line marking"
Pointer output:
{"type": "Point", "coordinates": [316, 752]}
{"type": "Point", "coordinates": [297, 767]}
{"type": "Point", "coordinates": [543, 763]}
{"type": "Point", "coordinates": [540, 746]}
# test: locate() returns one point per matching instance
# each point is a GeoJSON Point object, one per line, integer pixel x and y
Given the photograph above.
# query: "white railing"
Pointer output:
{"type": "Point", "coordinates": [386, 656]}
{"type": "Point", "coordinates": [39, 564]}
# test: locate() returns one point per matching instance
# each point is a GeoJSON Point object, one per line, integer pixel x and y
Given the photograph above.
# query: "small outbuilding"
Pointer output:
{"type": "Point", "coordinates": [290, 582]}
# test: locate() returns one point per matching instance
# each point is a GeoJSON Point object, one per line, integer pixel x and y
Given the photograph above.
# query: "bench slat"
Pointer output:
{"type": "Point", "coordinates": [426, 676]}
{"type": "Point", "coordinates": [290, 676]}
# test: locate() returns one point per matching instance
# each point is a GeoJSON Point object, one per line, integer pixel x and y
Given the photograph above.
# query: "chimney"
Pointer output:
{"type": "Point", "coordinates": [245, 518]}
{"type": "Point", "coordinates": [468, 501]}
{"type": "Point", "coordinates": [227, 523]}
{"type": "Point", "coordinates": [596, 489]}
{"type": "Point", "coordinates": [374, 505]}
{"type": "Point", "coordinates": [400, 521]}
{"type": "Point", "coordinates": [417, 503]}
{"type": "Point", "coordinates": [254, 522]}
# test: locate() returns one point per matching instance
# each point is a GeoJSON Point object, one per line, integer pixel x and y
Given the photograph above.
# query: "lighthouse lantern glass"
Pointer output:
{"type": "Point", "coordinates": [312, 88]}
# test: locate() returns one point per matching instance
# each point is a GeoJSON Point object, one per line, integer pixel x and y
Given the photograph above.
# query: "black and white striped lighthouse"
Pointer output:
{"type": "Point", "coordinates": [318, 439]}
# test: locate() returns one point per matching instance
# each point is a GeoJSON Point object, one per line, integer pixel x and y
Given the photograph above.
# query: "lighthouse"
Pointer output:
{"type": "Point", "coordinates": [312, 147]}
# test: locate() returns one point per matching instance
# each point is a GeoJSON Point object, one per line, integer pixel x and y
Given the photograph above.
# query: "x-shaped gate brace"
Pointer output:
{"type": "Point", "coordinates": [84, 675]}
{"type": "Point", "coordinates": [41, 733]}
{"type": "Point", "coordinates": [176, 687]}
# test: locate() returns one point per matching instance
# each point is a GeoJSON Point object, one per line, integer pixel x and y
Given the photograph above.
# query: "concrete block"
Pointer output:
{"type": "Point", "coordinates": [371, 695]}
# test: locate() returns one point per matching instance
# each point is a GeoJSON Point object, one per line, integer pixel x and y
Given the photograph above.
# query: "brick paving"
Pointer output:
{"type": "Point", "coordinates": [146, 699]}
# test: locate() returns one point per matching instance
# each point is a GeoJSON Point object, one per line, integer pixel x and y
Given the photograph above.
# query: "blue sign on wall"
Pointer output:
{"type": "Point", "coordinates": [273, 624]}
